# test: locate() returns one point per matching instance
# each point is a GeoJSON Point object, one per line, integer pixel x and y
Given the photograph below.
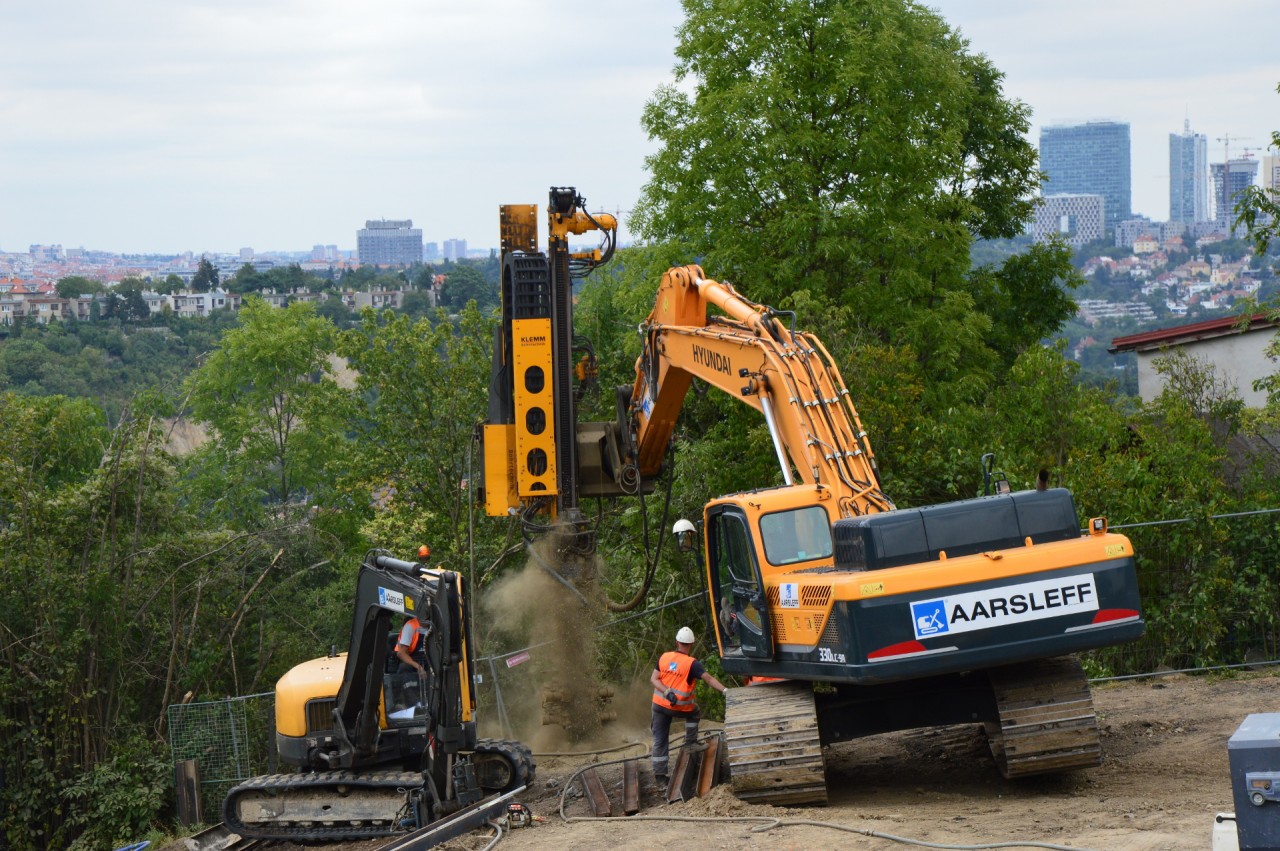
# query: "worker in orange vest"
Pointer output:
{"type": "Point", "coordinates": [410, 648]}
{"type": "Point", "coordinates": [673, 683]}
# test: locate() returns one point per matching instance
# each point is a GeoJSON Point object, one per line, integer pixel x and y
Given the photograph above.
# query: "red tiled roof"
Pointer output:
{"type": "Point", "coordinates": [1209, 329]}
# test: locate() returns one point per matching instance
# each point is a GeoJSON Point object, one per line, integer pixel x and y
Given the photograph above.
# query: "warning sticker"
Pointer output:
{"type": "Point", "coordinates": [1029, 601]}
{"type": "Point", "coordinates": [389, 599]}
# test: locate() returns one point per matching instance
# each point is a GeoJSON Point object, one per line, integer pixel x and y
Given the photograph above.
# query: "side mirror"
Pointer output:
{"type": "Point", "coordinates": [685, 535]}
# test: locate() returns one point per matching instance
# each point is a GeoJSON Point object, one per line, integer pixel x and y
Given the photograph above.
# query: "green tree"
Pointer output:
{"type": "Point", "coordinates": [74, 286]}
{"type": "Point", "coordinates": [464, 283]}
{"type": "Point", "coordinates": [132, 305]}
{"type": "Point", "coordinates": [852, 149]}
{"type": "Point", "coordinates": [423, 387]}
{"type": "Point", "coordinates": [116, 598]}
{"type": "Point", "coordinates": [172, 283]}
{"type": "Point", "coordinates": [1259, 210]}
{"type": "Point", "coordinates": [246, 280]}
{"type": "Point", "coordinates": [205, 278]}
{"type": "Point", "coordinates": [274, 411]}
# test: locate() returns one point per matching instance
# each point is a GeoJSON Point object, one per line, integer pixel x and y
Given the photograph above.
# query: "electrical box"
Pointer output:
{"type": "Point", "coordinates": [1253, 752]}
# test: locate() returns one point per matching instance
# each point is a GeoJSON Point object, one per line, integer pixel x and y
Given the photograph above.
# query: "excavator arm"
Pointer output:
{"type": "Point", "coordinates": [750, 353]}
{"type": "Point", "coordinates": [388, 587]}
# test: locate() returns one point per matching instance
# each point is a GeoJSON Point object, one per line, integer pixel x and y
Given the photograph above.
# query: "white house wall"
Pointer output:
{"type": "Point", "coordinates": [1236, 358]}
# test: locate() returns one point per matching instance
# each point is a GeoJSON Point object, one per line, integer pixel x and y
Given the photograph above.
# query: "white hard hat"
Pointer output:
{"type": "Point", "coordinates": [685, 635]}
{"type": "Point", "coordinates": [682, 526]}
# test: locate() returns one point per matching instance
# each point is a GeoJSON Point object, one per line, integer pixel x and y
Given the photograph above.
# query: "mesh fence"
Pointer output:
{"type": "Point", "coordinates": [1210, 597]}
{"type": "Point", "coordinates": [230, 740]}
{"type": "Point", "coordinates": [1210, 590]}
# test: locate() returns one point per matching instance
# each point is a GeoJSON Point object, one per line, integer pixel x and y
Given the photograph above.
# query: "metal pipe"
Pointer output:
{"type": "Point", "coordinates": [767, 407]}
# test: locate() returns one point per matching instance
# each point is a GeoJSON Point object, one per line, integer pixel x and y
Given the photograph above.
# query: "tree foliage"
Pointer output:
{"type": "Point", "coordinates": [74, 286]}
{"type": "Point", "coordinates": [116, 598]}
{"type": "Point", "coordinates": [274, 411]}
{"type": "Point", "coordinates": [205, 278]}
{"type": "Point", "coordinates": [853, 149]}
{"type": "Point", "coordinates": [463, 283]}
{"type": "Point", "coordinates": [422, 390]}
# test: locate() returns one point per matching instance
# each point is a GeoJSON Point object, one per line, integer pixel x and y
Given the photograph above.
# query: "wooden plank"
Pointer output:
{"type": "Point", "coordinates": [683, 777]}
{"type": "Point", "coordinates": [187, 788]}
{"type": "Point", "coordinates": [631, 787]}
{"type": "Point", "coordinates": [709, 771]}
{"type": "Point", "coordinates": [596, 797]}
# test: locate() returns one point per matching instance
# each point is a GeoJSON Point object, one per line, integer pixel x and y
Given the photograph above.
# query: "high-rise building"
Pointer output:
{"type": "Point", "coordinates": [1188, 176]}
{"type": "Point", "coordinates": [1076, 219]}
{"type": "Point", "coordinates": [1089, 159]}
{"type": "Point", "coordinates": [455, 249]}
{"type": "Point", "coordinates": [389, 242]}
{"type": "Point", "coordinates": [1271, 176]}
{"type": "Point", "coordinates": [1239, 176]}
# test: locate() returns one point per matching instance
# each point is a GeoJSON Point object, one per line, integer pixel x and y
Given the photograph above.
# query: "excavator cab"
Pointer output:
{"type": "Point", "coordinates": [737, 586]}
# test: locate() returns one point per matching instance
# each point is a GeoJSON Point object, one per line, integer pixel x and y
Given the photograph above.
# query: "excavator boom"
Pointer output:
{"type": "Point", "coordinates": [753, 356]}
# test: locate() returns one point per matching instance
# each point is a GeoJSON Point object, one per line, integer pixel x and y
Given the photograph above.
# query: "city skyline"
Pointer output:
{"type": "Point", "coordinates": [143, 127]}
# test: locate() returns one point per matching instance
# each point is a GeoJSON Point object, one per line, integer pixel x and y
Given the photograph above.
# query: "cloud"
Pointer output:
{"type": "Point", "coordinates": [140, 125]}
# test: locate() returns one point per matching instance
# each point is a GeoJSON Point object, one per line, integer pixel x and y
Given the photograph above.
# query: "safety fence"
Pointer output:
{"type": "Point", "coordinates": [230, 740]}
{"type": "Point", "coordinates": [1210, 591]}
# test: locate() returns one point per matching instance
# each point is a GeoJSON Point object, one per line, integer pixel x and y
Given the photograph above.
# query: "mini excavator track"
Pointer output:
{"type": "Point", "coordinates": [1047, 722]}
{"type": "Point", "coordinates": [346, 805]}
{"type": "Point", "coordinates": [775, 755]}
{"type": "Point", "coordinates": [329, 805]}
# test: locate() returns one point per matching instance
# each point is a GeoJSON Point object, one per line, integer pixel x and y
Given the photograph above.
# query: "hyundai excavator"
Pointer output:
{"type": "Point", "coordinates": [377, 752]}
{"type": "Point", "coordinates": [957, 613]}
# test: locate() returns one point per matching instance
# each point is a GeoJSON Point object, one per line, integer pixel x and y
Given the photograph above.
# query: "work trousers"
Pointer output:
{"type": "Point", "coordinates": [660, 725]}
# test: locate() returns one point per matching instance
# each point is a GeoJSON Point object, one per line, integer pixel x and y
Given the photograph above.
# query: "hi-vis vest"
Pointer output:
{"type": "Point", "coordinates": [673, 671]}
{"type": "Point", "coordinates": [413, 628]}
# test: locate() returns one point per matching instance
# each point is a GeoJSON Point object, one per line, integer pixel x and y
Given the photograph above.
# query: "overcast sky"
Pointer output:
{"type": "Point", "coordinates": [162, 126]}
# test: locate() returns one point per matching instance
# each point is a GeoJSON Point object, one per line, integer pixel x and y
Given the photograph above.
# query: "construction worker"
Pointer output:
{"type": "Point", "coordinates": [410, 649]}
{"type": "Point", "coordinates": [673, 682]}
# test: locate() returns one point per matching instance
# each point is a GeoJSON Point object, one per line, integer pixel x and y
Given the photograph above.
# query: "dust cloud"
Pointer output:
{"type": "Point", "coordinates": [553, 605]}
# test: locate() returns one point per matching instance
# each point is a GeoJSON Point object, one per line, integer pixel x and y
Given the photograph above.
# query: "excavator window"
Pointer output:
{"type": "Point", "coordinates": [801, 534]}
{"type": "Point", "coordinates": [737, 587]}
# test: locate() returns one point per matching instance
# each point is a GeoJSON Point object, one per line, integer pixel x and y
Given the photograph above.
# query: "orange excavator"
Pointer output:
{"type": "Point", "coordinates": [960, 612]}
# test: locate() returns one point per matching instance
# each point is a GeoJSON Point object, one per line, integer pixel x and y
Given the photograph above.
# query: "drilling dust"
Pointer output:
{"type": "Point", "coordinates": [553, 605]}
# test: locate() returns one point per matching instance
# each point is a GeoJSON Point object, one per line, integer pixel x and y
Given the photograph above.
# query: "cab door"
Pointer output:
{"type": "Point", "coordinates": [737, 592]}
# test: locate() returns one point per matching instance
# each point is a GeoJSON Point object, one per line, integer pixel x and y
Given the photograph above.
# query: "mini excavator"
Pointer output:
{"type": "Point", "coordinates": [377, 752]}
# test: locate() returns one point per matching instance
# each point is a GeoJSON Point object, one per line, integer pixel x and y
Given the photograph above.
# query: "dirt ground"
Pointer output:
{"type": "Point", "coordinates": [1163, 777]}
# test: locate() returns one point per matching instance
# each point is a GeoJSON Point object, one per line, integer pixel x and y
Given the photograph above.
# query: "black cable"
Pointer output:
{"type": "Point", "coordinates": [651, 567]}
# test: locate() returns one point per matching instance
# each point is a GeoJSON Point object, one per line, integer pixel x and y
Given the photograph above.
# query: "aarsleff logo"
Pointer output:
{"type": "Point", "coordinates": [1029, 601]}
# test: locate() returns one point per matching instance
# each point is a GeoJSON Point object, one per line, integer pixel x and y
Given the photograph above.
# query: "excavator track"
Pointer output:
{"type": "Point", "coordinates": [346, 805]}
{"type": "Point", "coordinates": [1047, 722]}
{"type": "Point", "coordinates": [331, 805]}
{"type": "Point", "coordinates": [775, 754]}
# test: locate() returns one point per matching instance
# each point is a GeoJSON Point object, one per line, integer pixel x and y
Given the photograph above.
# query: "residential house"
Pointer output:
{"type": "Point", "coordinates": [1235, 350]}
{"type": "Point", "coordinates": [1145, 244]}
